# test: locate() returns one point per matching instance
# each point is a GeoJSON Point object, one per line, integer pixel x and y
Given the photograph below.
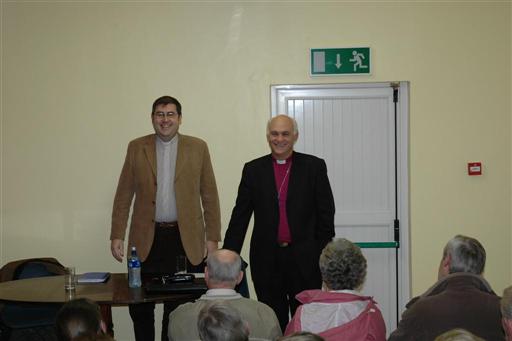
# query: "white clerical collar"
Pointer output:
{"type": "Point", "coordinates": [283, 162]}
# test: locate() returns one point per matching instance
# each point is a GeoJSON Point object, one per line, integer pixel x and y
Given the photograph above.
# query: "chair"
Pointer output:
{"type": "Point", "coordinates": [29, 321]}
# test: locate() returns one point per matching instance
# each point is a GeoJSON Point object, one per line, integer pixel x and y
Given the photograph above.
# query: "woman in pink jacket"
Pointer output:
{"type": "Point", "coordinates": [338, 311]}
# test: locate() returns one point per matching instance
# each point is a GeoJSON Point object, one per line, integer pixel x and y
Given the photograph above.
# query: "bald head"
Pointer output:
{"type": "Point", "coordinates": [282, 134]}
{"type": "Point", "coordinates": [223, 269]}
{"type": "Point", "coordinates": [283, 119]}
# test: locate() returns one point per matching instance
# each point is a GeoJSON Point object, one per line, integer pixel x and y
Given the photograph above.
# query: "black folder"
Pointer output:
{"type": "Point", "coordinates": [159, 286]}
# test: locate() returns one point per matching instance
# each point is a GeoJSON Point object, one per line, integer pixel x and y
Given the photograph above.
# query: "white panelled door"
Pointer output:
{"type": "Point", "coordinates": [352, 127]}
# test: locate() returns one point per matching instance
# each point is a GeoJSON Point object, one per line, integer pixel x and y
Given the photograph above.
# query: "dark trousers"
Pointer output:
{"type": "Point", "coordinates": [161, 260]}
{"type": "Point", "coordinates": [283, 282]}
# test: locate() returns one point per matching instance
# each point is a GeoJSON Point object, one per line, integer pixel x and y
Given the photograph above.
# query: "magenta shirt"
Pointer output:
{"type": "Point", "coordinates": [282, 176]}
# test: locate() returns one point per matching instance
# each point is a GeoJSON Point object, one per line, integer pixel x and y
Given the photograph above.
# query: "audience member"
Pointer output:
{"type": "Point", "coordinates": [458, 335]}
{"type": "Point", "coordinates": [79, 317]}
{"type": "Point", "coordinates": [218, 321]}
{"type": "Point", "coordinates": [302, 336]}
{"type": "Point", "coordinates": [222, 274]}
{"type": "Point", "coordinates": [461, 298]}
{"type": "Point", "coordinates": [327, 312]}
{"type": "Point", "coordinates": [506, 312]}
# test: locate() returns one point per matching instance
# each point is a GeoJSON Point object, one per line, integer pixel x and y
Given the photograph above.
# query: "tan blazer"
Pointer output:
{"type": "Point", "coordinates": [197, 199]}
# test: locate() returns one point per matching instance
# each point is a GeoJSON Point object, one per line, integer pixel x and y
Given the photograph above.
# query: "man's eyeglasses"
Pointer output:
{"type": "Point", "coordinates": [161, 115]}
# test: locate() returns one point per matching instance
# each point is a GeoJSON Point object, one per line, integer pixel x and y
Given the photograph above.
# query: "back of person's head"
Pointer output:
{"type": "Point", "coordinates": [506, 311]}
{"type": "Point", "coordinates": [466, 254]}
{"type": "Point", "coordinates": [223, 267]}
{"type": "Point", "coordinates": [342, 265]}
{"type": "Point", "coordinates": [301, 336]}
{"type": "Point", "coordinates": [458, 335]}
{"type": "Point", "coordinates": [218, 320]}
{"type": "Point", "coordinates": [78, 317]}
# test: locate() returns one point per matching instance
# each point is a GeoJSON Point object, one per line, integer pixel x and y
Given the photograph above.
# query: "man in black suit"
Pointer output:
{"type": "Point", "coordinates": [291, 198]}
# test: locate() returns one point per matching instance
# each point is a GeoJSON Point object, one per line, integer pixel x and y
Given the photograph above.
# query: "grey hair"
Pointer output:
{"type": "Point", "coordinates": [294, 122]}
{"type": "Point", "coordinates": [342, 265]}
{"type": "Point", "coordinates": [458, 334]}
{"type": "Point", "coordinates": [218, 320]}
{"type": "Point", "coordinates": [221, 270]}
{"type": "Point", "coordinates": [466, 255]}
{"type": "Point", "coordinates": [506, 303]}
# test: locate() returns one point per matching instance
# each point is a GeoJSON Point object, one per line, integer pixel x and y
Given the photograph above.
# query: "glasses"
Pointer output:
{"type": "Point", "coordinates": [161, 115]}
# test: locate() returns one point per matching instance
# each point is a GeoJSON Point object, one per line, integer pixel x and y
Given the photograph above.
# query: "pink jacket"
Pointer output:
{"type": "Point", "coordinates": [367, 325]}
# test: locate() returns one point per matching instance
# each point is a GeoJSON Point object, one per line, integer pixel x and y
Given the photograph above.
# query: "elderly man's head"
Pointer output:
{"type": "Point", "coordinates": [462, 254]}
{"type": "Point", "coordinates": [282, 133]}
{"type": "Point", "coordinates": [506, 312]}
{"type": "Point", "coordinates": [223, 269]}
{"type": "Point", "coordinates": [342, 265]}
{"type": "Point", "coordinates": [218, 320]}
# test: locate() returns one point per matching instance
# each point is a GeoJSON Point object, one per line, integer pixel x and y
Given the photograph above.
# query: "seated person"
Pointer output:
{"type": "Point", "coordinates": [222, 273]}
{"type": "Point", "coordinates": [218, 321]}
{"type": "Point", "coordinates": [506, 312]}
{"type": "Point", "coordinates": [79, 318]}
{"type": "Point", "coordinates": [458, 335]}
{"type": "Point", "coordinates": [327, 312]}
{"type": "Point", "coordinates": [461, 298]}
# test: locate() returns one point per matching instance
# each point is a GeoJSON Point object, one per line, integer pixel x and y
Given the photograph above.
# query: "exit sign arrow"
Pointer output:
{"type": "Point", "coordinates": [338, 61]}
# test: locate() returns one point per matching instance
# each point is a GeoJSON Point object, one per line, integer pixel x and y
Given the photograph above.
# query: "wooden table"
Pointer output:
{"type": "Point", "coordinates": [115, 292]}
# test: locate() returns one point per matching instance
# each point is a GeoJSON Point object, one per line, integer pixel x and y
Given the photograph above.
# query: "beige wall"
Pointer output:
{"type": "Point", "coordinates": [78, 80]}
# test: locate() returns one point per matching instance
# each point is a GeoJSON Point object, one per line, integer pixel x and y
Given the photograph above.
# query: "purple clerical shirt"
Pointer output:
{"type": "Point", "coordinates": [282, 176]}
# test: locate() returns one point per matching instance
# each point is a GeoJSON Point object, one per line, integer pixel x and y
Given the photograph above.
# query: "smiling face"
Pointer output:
{"type": "Point", "coordinates": [166, 121]}
{"type": "Point", "coordinates": [281, 137]}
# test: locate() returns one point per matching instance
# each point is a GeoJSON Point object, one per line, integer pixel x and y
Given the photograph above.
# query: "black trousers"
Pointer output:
{"type": "Point", "coordinates": [283, 282]}
{"type": "Point", "coordinates": [161, 260]}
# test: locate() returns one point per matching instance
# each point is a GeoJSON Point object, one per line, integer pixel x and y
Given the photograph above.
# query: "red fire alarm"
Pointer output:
{"type": "Point", "coordinates": [474, 168]}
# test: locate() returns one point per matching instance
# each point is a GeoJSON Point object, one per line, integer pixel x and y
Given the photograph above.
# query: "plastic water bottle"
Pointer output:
{"type": "Point", "coordinates": [134, 270]}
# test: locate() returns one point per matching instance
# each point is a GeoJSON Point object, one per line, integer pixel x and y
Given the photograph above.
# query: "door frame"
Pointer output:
{"type": "Point", "coordinates": [402, 154]}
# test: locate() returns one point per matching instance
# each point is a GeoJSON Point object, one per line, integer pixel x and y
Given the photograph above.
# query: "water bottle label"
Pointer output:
{"type": "Point", "coordinates": [134, 280]}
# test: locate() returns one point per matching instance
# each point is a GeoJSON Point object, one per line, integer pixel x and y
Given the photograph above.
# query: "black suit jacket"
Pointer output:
{"type": "Point", "coordinates": [309, 207]}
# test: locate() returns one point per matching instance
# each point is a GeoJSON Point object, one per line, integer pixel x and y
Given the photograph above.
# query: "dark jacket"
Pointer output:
{"type": "Point", "coordinates": [460, 300]}
{"type": "Point", "coordinates": [309, 207]}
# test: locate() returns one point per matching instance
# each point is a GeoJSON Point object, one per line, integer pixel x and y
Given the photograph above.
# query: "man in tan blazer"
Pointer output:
{"type": "Point", "coordinates": [176, 209]}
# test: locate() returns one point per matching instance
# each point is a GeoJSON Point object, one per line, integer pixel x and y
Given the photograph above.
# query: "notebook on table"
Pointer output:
{"type": "Point", "coordinates": [93, 277]}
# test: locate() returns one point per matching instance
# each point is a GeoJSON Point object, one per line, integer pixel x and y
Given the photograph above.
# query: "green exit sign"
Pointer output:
{"type": "Point", "coordinates": [341, 61]}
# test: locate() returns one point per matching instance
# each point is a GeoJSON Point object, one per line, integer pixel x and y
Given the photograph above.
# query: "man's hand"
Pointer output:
{"type": "Point", "coordinates": [211, 246]}
{"type": "Point", "coordinates": [117, 249]}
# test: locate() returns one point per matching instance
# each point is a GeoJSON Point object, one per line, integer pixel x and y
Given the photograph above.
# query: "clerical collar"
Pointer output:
{"type": "Point", "coordinates": [282, 162]}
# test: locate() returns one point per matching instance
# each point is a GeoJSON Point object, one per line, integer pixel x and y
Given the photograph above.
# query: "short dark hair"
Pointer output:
{"type": "Point", "coordinates": [164, 100]}
{"type": "Point", "coordinates": [76, 318]}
